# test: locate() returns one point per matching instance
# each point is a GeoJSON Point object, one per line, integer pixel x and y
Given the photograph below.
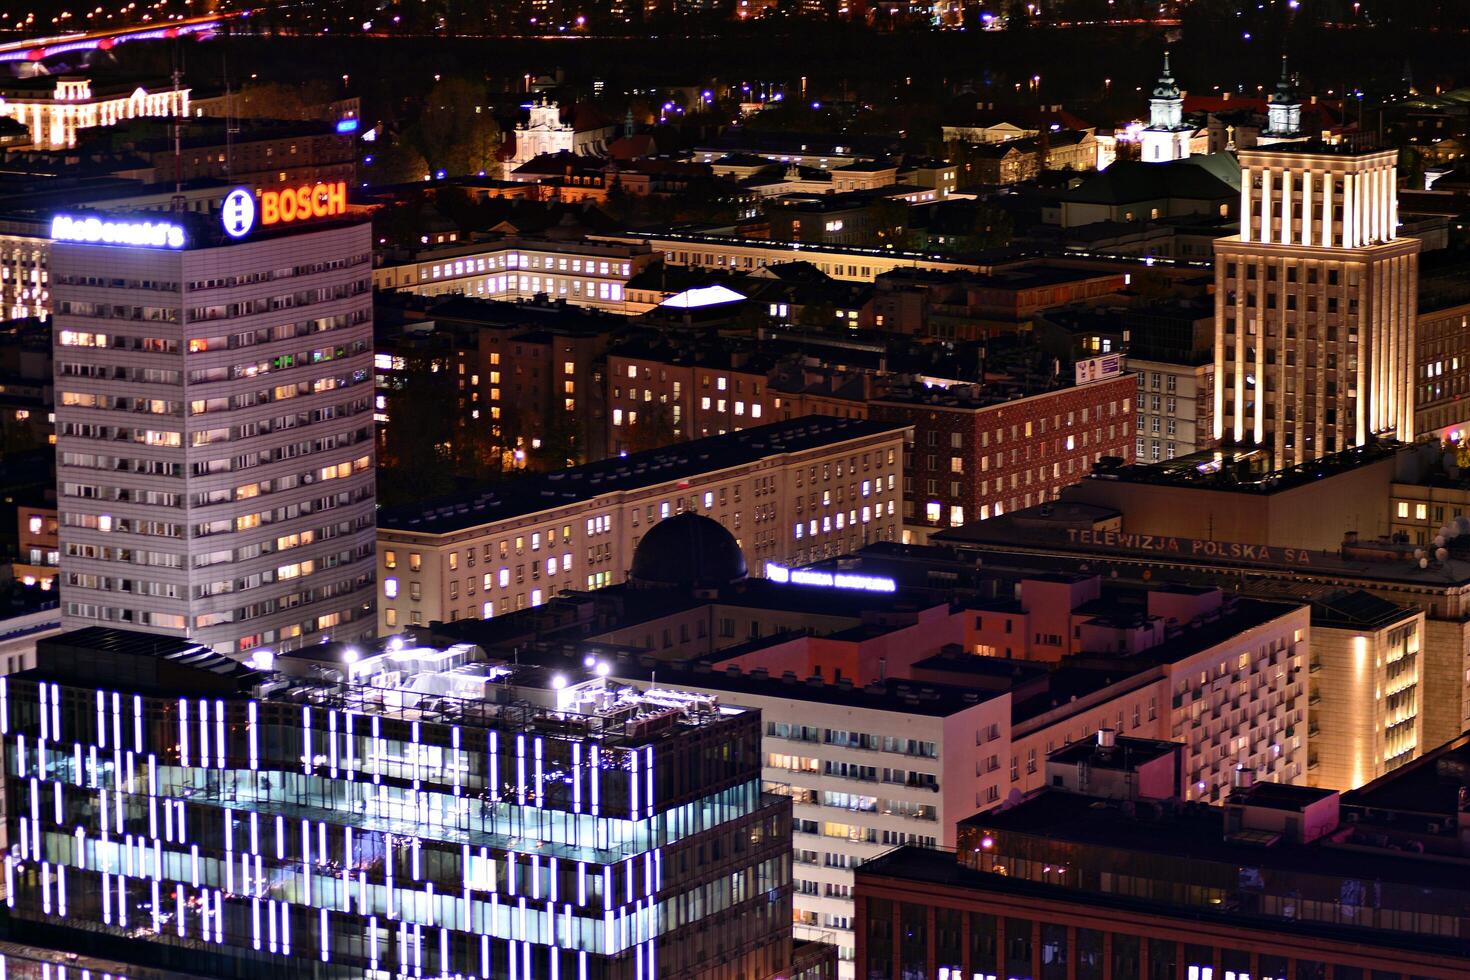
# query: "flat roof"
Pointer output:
{"type": "Point", "coordinates": [1431, 784]}
{"type": "Point", "coordinates": [931, 866]}
{"type": "Point", "coordinates": [978, 396]}
{"type": "Point", "coordinates": [1280, 796]}
{"type": "Point", "coordinates": [539, 492]}
{"type": "Point", "coordinates": [893, 694]}
{"type": "Point", "coordinates": [1125, 753]}
{"type": "Point", "coordinates": [1237, 469]}
{"type": "Point", "coordinates": [1030, 539]}
{"type": "Point", "coordinates": [1196, 831]}
{"type": "Point", "coordinates": [1356, 609]}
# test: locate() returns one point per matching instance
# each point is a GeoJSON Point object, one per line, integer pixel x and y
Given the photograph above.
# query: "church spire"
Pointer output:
{"type": "Point", "coordinates": [1285, 86]}
{"type": "Point", "coordinates": [1166, 88]}
{"type": "Point", "coordinates": [1283, 107]}
{"type": "Point", "coordinates": [1167, 137]}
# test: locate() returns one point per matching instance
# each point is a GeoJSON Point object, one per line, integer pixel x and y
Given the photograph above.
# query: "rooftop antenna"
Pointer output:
{"type": "Point", "coordinates": [231, 124]}
{"type": "Point", "coordinates": [178, 198]}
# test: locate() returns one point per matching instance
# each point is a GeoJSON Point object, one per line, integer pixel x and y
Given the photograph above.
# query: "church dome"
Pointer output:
{"type": "Point", "coordinates": [688, 551]}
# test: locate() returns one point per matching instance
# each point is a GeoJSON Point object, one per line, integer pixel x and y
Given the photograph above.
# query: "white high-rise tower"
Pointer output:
{"type": "Point", "coordinates": [214, 420]}
{"type": "Point", "coordinates": [1167, 136]}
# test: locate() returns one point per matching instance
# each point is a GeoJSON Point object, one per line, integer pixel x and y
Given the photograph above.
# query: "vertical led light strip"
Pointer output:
{"type": "Point", "coordinates": [454, 757]}
{"type": "Point", "coordinates": [413, 734]}
{"type": "Point", "coordinates": [204, 733]}
{"type": "Point", "coordinates": [332, 743]}
{"type": "Point", "coordinates": [251, 731]}
{"type": "Point", "coordinates": [183, 730]}
{"type": "Point", "coordinates": [521, 769]}
{"type": "Point", "coordinates": [595, 768]}
{"type": "Point", "coordinates": [306, 739]}
{"type": "Point", "coordinates": [648, 780]}
{"type": "Point", "coordinates": [351, 763]}
{"type": "Point", "coordinates": [633, 785]}
{"type": "Point", "coordinates": [219, 734]}
{"type": "Point", "coordinates": [373, 943]}
{"type": "Point", "coordinates": [576, 777]}
{"type": "Point", "coordinates": [540, 783]}
{"type": "Point", "coordinates": [377, 752]}
{"type": "Point", "coordinates": [494, 766]}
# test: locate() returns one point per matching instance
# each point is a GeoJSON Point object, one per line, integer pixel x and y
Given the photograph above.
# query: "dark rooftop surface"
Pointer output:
{"type": "Point", "coordinates": [930, 866]}
{"type": "Point", "coordinates": [991, 393]}
{"type": "Point", "coordinates": [1280, 796]}
{"type": "Point", "coordinates": [1125, 753]}
{"type": "Point", "coordinates": [148, 661]}
{"type": "Point", "coordinates": [531, 494]}
{"type": "Point", "coordinates": [565, 318]}
{"type": "Point", "coordinates": [1208, 177]}
{"type": "Point", "coordinates": [1027, 539]}
{"type": "Point", "coordinates": [1356, 609]}
{"type": "Point", "coordinates": [1243, 470]}
{"type": "Point", "coordinates": [1432, 784]}
{"type": "Point", "coordinates": [908, 697]}
{"type": "Point", "coordinates": [1196, 832]}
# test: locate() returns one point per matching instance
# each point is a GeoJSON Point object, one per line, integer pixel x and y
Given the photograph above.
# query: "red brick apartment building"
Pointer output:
{"type": "Point", "coordinates": [983, 451]}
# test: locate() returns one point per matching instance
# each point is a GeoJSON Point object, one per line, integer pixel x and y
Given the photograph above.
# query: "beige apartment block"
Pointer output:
{"type": "Point", "coordinates": [1364, 682]}
{"type": "Point", "coordinates": [790, 492]}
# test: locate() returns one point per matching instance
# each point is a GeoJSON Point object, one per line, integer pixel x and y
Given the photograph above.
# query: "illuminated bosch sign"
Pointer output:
{"type": "Point", "coordinates": [237, 214]}
{"type": "Point", "coordinates": [829, 580]}
{"type": "Point", "coordinates": [292, 204]}
{"type": "Point", "coordinates": [107, 231]}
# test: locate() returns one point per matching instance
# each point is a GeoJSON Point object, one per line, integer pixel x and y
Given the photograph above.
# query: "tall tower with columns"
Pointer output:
{"type": "Point", "coordinates": [1167, 136]}
{"type": "Point", "coordinates": [1315, 304]}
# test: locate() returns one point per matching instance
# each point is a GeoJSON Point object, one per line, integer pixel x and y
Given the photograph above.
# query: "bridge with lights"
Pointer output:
{"type": "Point", "coordinates": [39, 49]}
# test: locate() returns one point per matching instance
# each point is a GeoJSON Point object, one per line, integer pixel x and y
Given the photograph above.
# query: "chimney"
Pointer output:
{"type": "Point", "coordinates": [1106, 738]}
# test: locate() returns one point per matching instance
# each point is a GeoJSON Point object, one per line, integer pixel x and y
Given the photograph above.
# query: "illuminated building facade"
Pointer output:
{"type": "Point", "coordinates": [544, 132]}
{"type": "Point", "coordinates": [214, 423]}
{"type": "Point", "coordinates": [1315, 305]}
{"type": "Point", "coordinates": [398, 812]}
{"type": "Point", "coordinates": [789, 492]}
{"type": "Point", "coordinates": [39, 552]}
{"type": "Point", "coordinates": [25, 283]}
{"type": "Point", "coordinates": [982, 451]}
{"type": "Point", "coordinates": [1364, 678]}
{"type": "Point", "coordinates": [583, 273]}
{"type": "Point", "coordinates": [54, 109]}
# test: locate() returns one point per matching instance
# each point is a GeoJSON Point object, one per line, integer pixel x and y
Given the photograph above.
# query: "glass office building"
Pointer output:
{"type": "Point", "coordinates": [396, 812]}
